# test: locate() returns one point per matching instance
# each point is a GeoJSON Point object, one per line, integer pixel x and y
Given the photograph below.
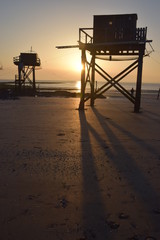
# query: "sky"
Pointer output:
{"type": "Point", "coordinates": [43, 25]}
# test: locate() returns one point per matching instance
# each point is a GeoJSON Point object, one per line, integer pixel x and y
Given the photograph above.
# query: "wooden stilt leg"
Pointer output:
{"type": "Point", "coordinates": [83, 59]}
{"type": "Point", "coordinates": [19, 77]}
{"type": "Point", "coordinates": [34, 82]}
{"type": "Point", "coordinates": [93, 80]}
{"type": "Point", "coordinates": [139, 83]}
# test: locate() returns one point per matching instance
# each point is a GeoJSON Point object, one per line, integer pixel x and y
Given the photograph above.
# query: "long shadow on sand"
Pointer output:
{"type": "Point", "coordinates": [127, 167]}
{"type": "Point", "coordinates": [152, 116]}
{"type": "Point", "coordinates": [93, 208]}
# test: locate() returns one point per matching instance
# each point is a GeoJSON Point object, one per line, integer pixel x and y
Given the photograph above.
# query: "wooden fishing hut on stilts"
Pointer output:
{"type": "Point", "coordinates": [112, 35]}
{"type": "Point", "coordinates": [27, 63]}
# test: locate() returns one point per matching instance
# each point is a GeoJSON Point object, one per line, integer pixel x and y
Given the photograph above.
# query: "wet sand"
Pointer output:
{"type": "Point", "coordinates": [68, 174]}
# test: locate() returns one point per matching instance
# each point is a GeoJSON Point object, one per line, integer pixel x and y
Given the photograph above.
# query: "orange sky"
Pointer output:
{"type": "Point", "coordinates": [46, 24]}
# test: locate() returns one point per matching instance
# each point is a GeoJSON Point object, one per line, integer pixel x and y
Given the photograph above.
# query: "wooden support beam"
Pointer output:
{"type": "Point", "coordinates": [88, 77]}
{"type": "Point", "coordinates": [34, 81]}
{"type": "Point", "coordinates": [93, 80]}
{"type": "Point", "coordinates": [114, 82]}
{"type": "Point", "coordinates": [83, 84]}
{"type": "Point", "coordinates": [19, 77]}
{"type": "Point", "coordinates": [69, 46]}
{"type": "Point", "coordinates": [139, 83]}
{"type": "Point", "coordinates": [26, 72]}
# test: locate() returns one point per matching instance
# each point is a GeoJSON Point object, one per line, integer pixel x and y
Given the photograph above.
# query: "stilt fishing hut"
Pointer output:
{"type": "Point", "coordinates": [111, 35]}
{"type": "Point", "coordinates": [27, 63]}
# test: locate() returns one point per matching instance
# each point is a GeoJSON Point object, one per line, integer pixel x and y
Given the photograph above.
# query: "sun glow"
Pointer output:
{"type": "Point", "coordinates": [78, 85]}
{"type": "Point", "coordinates": [78, 67]}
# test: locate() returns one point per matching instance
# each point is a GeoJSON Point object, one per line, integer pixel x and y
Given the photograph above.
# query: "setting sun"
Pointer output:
{"type": "Point", "coordinates": [78, 85]}
{"type": "Point", "coordinates": [75, 63]}
{"type": "Point", "coordinates": [78, 67]}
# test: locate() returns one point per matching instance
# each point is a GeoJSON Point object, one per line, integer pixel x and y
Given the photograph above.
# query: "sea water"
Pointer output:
{"type": "Point", "coordinates": [75, 86]}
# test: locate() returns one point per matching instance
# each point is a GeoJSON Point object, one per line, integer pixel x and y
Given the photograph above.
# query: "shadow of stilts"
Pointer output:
{"type": "Point", "coordinates": [152, 116]}
{"type": "Point", "coordinates": [93, 207]}
{"type": "Point", "coordinates": [126, 164]}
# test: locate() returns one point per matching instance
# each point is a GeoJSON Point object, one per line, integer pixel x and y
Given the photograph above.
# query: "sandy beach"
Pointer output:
{"type": "Point", "coordinates": [81, 175]}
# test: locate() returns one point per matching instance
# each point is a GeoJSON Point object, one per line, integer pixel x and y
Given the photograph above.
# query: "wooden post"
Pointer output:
{"type": "Point", "coordinates": [34, 82]}
{"type": "Point", "coordinates": [83, 59]}
{"type": "Point", "coordinates": [139, 83]}
{"type": "Point", "coordinates": [19, 76]}
{"type": "Point", "coordinates": [158, 94]}
{"type": "Point", "coordinates": [93, 80]}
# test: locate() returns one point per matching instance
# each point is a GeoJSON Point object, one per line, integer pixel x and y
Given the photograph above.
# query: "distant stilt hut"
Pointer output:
{"type": "Point", "coordinates": [27, 63]}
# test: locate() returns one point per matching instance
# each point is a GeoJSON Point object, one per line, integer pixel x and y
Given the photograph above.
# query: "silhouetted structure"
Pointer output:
{"type": "Point", "coordinates": [158, 94]}
{"type": "Point", "coordinates": [111, 35]}
{"type": "Point", "coordinates": [26, 62]}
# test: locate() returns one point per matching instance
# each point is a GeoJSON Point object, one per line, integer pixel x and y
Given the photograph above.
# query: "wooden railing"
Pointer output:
{"type": "Point", "coordinates": [86, 38]}
{"type": "Point", "coordinates": [141, 34]}
{"type": "Point", "coordinates": [17, 60]}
